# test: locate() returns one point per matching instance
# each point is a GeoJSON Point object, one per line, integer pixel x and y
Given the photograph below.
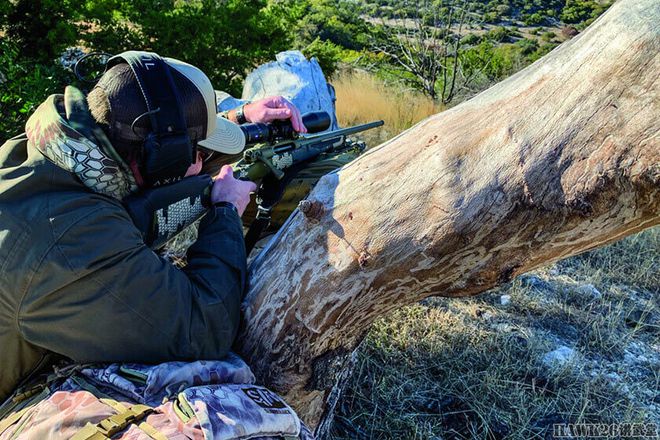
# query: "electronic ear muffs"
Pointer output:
{"type": "Point", "coordinates": [167, 152]}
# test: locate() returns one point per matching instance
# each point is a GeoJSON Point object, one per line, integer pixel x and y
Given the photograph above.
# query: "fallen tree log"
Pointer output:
{"type": "Point", "coordinates": [560, 158]}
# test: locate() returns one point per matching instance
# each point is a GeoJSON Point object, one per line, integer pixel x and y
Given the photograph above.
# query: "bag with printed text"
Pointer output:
{"type": "Point", "coordinates": [173, 400]}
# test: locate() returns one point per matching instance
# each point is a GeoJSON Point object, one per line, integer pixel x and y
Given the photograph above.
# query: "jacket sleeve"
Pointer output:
{"type": "Point", "coordinates": [101, 295]}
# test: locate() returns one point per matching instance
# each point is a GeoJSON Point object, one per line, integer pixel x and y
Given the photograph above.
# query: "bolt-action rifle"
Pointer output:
{"type": "Point", "coordinates": [273, 149]}
{"type": "Point", "coordinates": [284, 150]}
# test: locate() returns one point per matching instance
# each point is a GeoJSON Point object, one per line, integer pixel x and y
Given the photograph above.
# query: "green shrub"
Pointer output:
{"type": "Point", "coordinates": [534, 19]}
{"type": "Point", "coordinates": [24, 84]}
{"type": "Point", "coordinates": [5, 8]}
{"type": "Point", "coordinates": [499, 34]}
{"type": "Point", "coordinates": [327, 54]}
{"type": "Point", "coordinates": [548, 36]}
{"type": "Point", "coordinates": [224, 39]}
{"type": "Point", "coordinates": [503, 10]}
{"type": "Point", "coordinates": [337, 21]}
{"type": "Point", "coordinates": [577, 11]}
{"type": "Point", "coordinates": [527, 46]}
{"type": "Point", "coordinates": [41, 29]}
{"type": "Point", "coordinates": [542, 50]}
{"type": "Point", "coordinates": [497, 62]}
{"type": "Point", "coordinates": [491, 17]}
{"type": "Point", "coordinates": [470, 40]}
{"type": "Point", "coordinates": [507, 58]}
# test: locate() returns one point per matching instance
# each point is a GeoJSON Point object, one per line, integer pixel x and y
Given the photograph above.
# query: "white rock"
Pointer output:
{"type": "Point", "coordinates": [505, 300]}
{"type": "Point", "coordinates": [293, 76]}
{"type": "Point", "coordinates": [635, 348]}
{"type": "Point", "coordinates": [503, 328]}
{"type": "Point", "coordinates": [559, 357]}
{"type": "Point", "coordinates": [629, 358]}
{"type": "Point", "coordinates": [589, 290]}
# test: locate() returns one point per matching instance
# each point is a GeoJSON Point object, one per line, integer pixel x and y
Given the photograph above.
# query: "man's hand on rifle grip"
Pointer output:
{"type": "Point", "coordinates": [226, 188]}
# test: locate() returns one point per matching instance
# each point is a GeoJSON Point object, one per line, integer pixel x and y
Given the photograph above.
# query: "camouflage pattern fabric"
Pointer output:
{"type": "Point", "coordinates": [218, 400]}
{"type": "Point", "coordinates": [173, 219]}
{"type": "Point", "coordinates": [151, 384]}
{"type": "Point", "coordinates": [240, 411]}
{"type": "Point", "coordinates": [64, 131]}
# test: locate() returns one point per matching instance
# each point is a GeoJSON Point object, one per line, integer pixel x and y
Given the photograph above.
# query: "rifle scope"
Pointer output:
{"type": "Point", "coordinates": [256, 133]}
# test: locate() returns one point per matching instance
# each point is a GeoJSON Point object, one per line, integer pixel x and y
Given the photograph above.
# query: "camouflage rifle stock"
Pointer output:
{"type": "Point", "coordinates": [265, 159]}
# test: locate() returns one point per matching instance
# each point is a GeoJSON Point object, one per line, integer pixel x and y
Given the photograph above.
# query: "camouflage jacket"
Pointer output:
{"type": "Point", "coordinates": [76, 279]}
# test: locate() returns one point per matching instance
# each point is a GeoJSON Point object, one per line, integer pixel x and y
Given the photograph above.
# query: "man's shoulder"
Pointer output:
{"type": "Point", "coordinates": [54, 217]}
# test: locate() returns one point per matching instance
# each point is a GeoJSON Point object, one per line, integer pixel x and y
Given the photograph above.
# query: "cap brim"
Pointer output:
{"type": "Point", "coordinates": [227, 138]}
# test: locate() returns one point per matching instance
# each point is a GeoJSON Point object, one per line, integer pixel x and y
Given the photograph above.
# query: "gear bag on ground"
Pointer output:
{"type": "Point", "coordinates": [173, 400]}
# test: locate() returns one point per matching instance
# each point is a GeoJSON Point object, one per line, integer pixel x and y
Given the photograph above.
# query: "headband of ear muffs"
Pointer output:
{"type": "Point", "coordinates": [167, 152]}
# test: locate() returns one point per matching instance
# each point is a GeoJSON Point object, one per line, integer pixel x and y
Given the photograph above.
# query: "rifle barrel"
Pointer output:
{"type": "Point", "coordinates": [345, 131]}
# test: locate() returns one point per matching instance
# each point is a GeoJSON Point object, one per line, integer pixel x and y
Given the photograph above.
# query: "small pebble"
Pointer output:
{"type": "Point", "coordinates": [613, 376]}
{"type": "Point", "coordinates": [559, 357]}
{"type": "Point", "coordinates": [589, 290]}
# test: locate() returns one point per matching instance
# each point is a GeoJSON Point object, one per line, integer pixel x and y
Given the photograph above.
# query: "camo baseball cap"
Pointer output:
{"type": "Point", "coordinates": [197, 98]}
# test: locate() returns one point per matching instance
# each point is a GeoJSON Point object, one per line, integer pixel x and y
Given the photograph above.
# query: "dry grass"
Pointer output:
{"type": "Point", "coordinates": [472, 368]}
{"type": "Point", "coordinates": [363, 98]}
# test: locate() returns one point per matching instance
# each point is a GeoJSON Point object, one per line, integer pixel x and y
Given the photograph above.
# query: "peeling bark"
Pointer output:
{"type": "Point", "coordinates": [560, 158]}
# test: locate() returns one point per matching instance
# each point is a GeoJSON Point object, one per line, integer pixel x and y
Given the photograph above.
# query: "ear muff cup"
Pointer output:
{"type": "Point", "coordinates": [168, 134]}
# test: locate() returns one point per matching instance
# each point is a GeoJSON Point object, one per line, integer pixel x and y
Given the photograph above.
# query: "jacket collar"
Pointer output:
{"type": "Point", "coordinates": [63, 130]}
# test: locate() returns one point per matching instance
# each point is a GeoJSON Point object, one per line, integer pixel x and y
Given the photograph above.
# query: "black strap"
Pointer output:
{"type": "Point", "coordinates": [168, 151]}
{"type": "Point", "coordinates": [157, 86]}
{"type": "Point", "coordinates": [258, 226]}
{"type": "Point", "coordinates": [270, 193]}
